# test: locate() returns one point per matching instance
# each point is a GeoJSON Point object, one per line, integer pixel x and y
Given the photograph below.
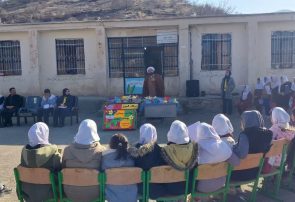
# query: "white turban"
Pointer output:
{"type": "Point", "coordinates": [222, 125]}
{"type": "Point", "coordinates": [87, 133]}
{"type": "Point", "coordinates": [280, 117]}
{"type": "Point", "coordinates": [38, 134]}
{"type": "Point", "coordinates": [150, 70]}
{"type": "Point", "coordinates": [148, 134]}
{"type": "Point", "coordinates": [178, 133]}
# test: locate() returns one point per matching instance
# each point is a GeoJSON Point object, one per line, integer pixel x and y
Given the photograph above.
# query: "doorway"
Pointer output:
{"type": "Point", "coordinates": [153, 56]}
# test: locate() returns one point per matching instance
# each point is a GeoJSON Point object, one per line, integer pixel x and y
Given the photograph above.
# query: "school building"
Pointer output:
{"type": "Point", "coordinates": [96, 57]}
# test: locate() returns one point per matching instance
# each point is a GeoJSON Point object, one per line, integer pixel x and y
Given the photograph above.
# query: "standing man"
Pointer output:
{"type": "Point", "coordinates": [227, 87]}
{"type": "Point", "coordinates": [153, 84]}
{"type": "Point", "coordinates": [48, 104]}
{"type": "Point", "coordinates": [11, 105]}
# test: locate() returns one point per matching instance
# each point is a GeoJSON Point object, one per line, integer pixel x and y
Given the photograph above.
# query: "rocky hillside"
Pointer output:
{"type": "Point", "coordinates": [32, 11]}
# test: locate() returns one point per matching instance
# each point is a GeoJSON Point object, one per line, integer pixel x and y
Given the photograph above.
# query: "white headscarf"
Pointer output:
{"type": "Point", "coordinates": [192, 131]}
{"type": "Point", "coordinates": [87, 133]}
{"type": "Point", "coordinates": [148, 134]}
{"type": "Point", "coordinates": [38, 134]}
{"type": "Point", "coordinates": [280, 117]}
{"type": "Point", "coordinates": [222, 125]}
{"type": "Point", "coordinates": [284, 79]}
{"type": "Point", "coordinates": [245, 92]}
{"type": "Point", "coordinates": [260, 85]}
{"type": "Point", "coordinates": [150, 70]}
{"type": "Point", "coordinates": [178, 133]}
{"type": "Point", "coordinates": [211, 148]}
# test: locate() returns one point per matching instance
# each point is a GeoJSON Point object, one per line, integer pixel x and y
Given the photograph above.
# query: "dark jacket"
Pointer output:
{"type": "Point", "coordinates": [226, 93]}
{"type": "Point", "coordinates": [147, 156]}
{"type": "Point", "coordinates": [40, 156]}
{"type": "Point", "coordinates": [70, 101]}
{"type": "Point", "coordinates": [14, 100]}
{"type": "Point", "coordinates": [259, 140]}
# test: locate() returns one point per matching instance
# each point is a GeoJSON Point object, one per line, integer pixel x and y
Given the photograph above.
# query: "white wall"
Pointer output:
{"type": "Point", "coordinates": [210, 80]}
{"type": "Point", "coordinates": [93, 82]}
{"type": "Point", "coordinates": [264, 48]}
{"type": "Point", "coordinates": [28, 81]}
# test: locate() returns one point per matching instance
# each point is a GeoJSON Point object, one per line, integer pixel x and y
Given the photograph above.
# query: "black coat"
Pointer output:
{"type": "Point", "coordinates": [259, 142]}
{"type": "Point", "coordinates": [70, 102]}
{"type": "Point", "coordinates": [145, 157]}
{"type": "Point", "coordinates": [14, 100]}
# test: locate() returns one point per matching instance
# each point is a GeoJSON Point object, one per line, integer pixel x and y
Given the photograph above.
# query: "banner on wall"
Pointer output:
{"type": "Point", "coordinates": [133, 86]}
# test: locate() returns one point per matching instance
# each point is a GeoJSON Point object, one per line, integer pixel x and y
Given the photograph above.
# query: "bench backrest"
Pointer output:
{"type": "Point", "coordinates": [251, 161]}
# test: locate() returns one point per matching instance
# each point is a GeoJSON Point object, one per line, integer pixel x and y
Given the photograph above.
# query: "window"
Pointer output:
{"type": "Point", "coordinates": [10, 58]}
{"type": "Point", "coordinates": [70, 57]}
{"type": "Point", "coordinates": [283, 49]}
{"type": "Point", "coordinates": [216, 51]}
{"type": "Point", "coordinates": [126, 56]}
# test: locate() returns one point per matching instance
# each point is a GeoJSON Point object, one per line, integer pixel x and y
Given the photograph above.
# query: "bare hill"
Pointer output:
{"type": "Point", "coordinates": [30, 11]}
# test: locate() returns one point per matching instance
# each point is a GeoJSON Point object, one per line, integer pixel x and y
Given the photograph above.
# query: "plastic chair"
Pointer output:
{"type": "Point", "coordinates": [124, 176]}
{"type": "Point", "coordinates": [40, 176]}
{"type": "Point", "coordinates": [279, 147]}
{"type": "Point", "coordinates": [251, 161]}
{"type": "Point", "coordinates": [78, 177]}
{"type": "Point", "coordinates": [167, 174]}
{"type": "Point", "coordinates": [30, 109]}
{"type": "Point", "coordinates": [209, 172]}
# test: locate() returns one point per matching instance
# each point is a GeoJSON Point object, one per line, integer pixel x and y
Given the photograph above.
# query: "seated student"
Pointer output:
{"type": "Point", "coordinates": [211, 150]}
{"type": "Point", "coordinates": [179, 153]}
{"type": "Point", "coordinates": [281, 129]}
{"type": "Point", "coordinates": [224, 129]}
{"type": "Point", "coordinates": [147, 154]}
{"type": "Point", "coordinates": [84, 152]}
{"type": "Point", "coordinates": [291, 147]}
{"type": "Point", "coordinates": [254, 138]}
{"type": "Point", "coordinates": [245, 100]}
{"type": "Point", "coordinates": [285, 92]}
{"type": "Point", "coordinates": [258, 99]}
{"type": "Point", "coordinates": [11, 105]}
{"type": "Point", "coordinates": [39, 153]}
{"type": "Point", "coordinates": [117, 156]}
{"type": "Point", "coordinates": [2, 99]}
{"type": "Point", "coordinates": [48, 104]}
{"type": "Point", "coordinates": [64, 104]}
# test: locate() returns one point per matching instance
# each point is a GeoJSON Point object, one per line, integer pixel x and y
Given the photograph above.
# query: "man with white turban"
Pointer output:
{"type": "Point", "coordinates": [153, 84]}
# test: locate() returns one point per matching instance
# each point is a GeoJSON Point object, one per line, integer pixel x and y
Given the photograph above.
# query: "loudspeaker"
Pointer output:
{"type": "Point", "coordinates": [192, 88]}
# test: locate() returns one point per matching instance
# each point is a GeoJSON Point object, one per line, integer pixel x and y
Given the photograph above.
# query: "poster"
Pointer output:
{"type": "Point", "coordinates": [133, 86]}
{"type": "Point", "coordinates": [119, 119]}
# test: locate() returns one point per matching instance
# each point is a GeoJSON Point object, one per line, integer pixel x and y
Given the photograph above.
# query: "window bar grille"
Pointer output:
{"type": "Point", "coordinates": [70, 56]}
{"type": "Point", "coordinates": [10, 58]}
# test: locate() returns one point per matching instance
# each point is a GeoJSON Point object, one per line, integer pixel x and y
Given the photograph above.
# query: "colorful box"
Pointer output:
{"type": "Point", "coordinates": [119, 119]}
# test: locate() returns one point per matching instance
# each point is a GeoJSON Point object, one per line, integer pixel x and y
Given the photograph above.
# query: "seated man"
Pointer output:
{"type": "Point", "coordinates": [48, 104]}
{"type": "Point", "coordinates": [11, 105]}
{"type": "Point", "coordinates": [65, 104]}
